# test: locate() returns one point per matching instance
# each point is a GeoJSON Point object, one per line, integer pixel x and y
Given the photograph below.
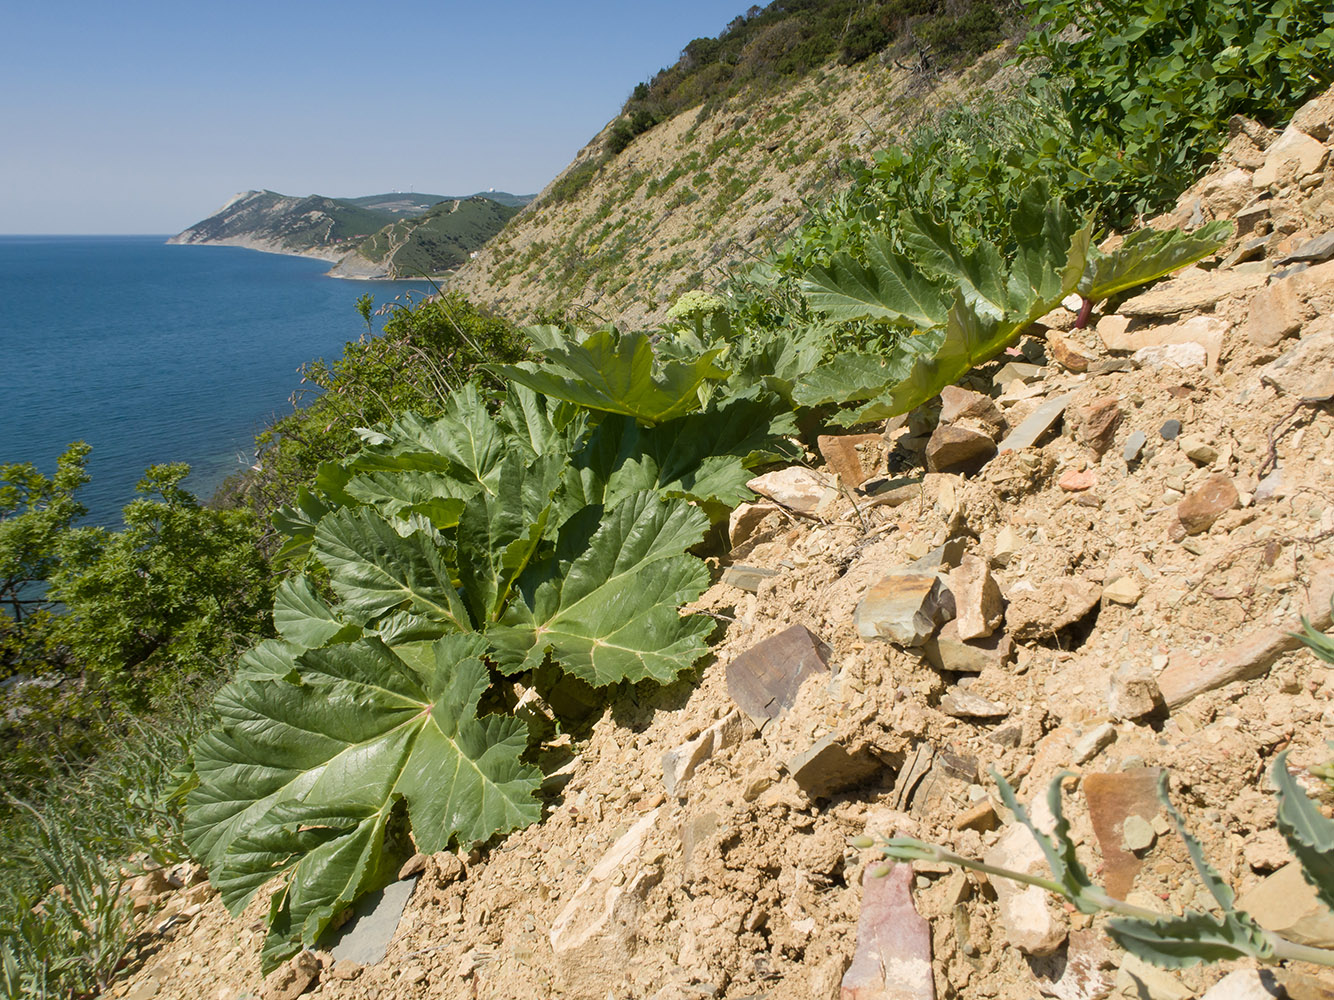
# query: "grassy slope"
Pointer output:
{"type": "Point", "coordinates": [699, 192]}
{"type": "Point", "coordinates": [440, 240]}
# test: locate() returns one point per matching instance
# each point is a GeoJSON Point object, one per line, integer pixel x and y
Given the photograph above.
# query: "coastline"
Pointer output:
{"type": "Point", "coordinates": [334, 260]}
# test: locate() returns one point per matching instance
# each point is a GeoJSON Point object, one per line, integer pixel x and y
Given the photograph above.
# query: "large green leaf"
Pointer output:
{"type": "Point", "coordinates": [889, 289]}
{"type": "Point", "coordinates": [1309, 834]}
{"type": "Point", "coordinates": [500, 533]}
{"type": "Point", "coordinates": [305, 773]}
{"type": "Point", "coordinates": [605, 605]}
{"type": "Point", "coordinates": [614, 372]}
{"type": "Point", "coordinates": [1147, 255]}
{"type": "Point", "coordinates": [302, 617]}
{"type": "Point", "coordinates": [704, 457]}
{"type": "Point", "coordinates": [374, 568]}
{"type": "Point", "coordinates": [978, 274]}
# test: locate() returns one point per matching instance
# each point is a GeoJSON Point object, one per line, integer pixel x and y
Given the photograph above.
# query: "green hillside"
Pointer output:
{"type": "Point", "coordinates": [440, 240]}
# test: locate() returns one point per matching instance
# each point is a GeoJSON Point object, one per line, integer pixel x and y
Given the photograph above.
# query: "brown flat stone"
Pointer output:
{"type": "Point", "coordinates": [1207, 503]}
{"type": "Point", "coordinates": [851, 457]}
{"type": "Point", "coordinates": [764, 680]}
{"type": "Point", "coordinates": [1112, 798]}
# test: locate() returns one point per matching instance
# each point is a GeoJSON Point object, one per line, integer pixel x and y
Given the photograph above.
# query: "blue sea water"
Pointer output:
{"type": "Point", "coordinates": [154, 353]}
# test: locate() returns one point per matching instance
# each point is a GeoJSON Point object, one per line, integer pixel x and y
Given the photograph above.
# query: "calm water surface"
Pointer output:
{"type": "Point", "coordinates": [155, 353]}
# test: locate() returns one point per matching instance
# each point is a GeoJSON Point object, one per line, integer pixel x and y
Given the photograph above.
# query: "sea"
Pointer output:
{"type": "Point", "coordinates": [155, 353]}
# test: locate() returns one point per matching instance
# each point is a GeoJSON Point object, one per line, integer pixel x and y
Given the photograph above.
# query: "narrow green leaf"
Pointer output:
{"type": "Point", "coordinates": [1309, 834]}
{"type": "Point", "coordinates": [1220, 890]}
{"type": "Point", "coordinates": [1057, 847]}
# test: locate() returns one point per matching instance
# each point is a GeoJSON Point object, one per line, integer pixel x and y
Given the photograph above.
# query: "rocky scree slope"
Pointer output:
{"type": "Point", "coordinates": [1089, 557]}
{"type": "Point", "coordinates": [699, 193]}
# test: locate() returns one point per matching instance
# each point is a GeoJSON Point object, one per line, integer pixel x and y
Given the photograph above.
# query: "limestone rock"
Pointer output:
{"type": "Point", "coordinates": [1198, 449]}
{"type": "Point", "coordinates": [979, 608]}
{"type": "Point", "coordinates": [1188, 355]}
{"type": "Point", "coordinates": [1092, 743]}
{"type": "Point", "coordinates": [1139, 980]}
{"type": "Point", "coordinates": [1206, 331]}
{"type": "Point", "coordinates": [946, 651]}
{"type": "Point", "coordinates": [800, 489]}
{"type": "Point", "coordinates": [1207, 503]}
{"type": "Point", "coordinates": [906, 607]}
{"type": "Point", "coordinates": [596, 932]}
{"type": "Point", "coordinates": [679, 764]}
{"type": "Point", "coordinates": [764, 680]}
{"type": "Point", "coordinates": [1305, 371]}
{"type": "Point", "coordinates": [1123, 590]}
{"type": "Point", "coordinates": [963, 704]}
{"type": "Point", "coordinates": [292, 978]}
{"type": "Point", "coordinates": [1293, 145]}
{"type": "Point", "coordinates": [1035, 425]}
{"type": "Point", "coordinates": [957, 449]}
{"type": "Point", "coordinates": [1112, 799]}
{"type": "Point", "coordinates": [1316, 117]}
{"type": "Point", "coordinates": [827, 767]}
{"type": "Point", "coordinates": [743, 522]}
{"type": "Point", "coordinates": [1029, 924]}
{"type": "Point", "coordinates": [1067, 354]}
{"type": "Point", "coordinates": [958, 404]}
{"type": "Point", "coordinates": [1277, 311]}
{"type": "Point", "coordinates": [893, 956]}
{"type": "Point", "coordinates": [1083, 970]}
{"type": "Point", "coordinates": [1077, 480]}
{"type": "Point", "coordinates": [1008, 544]}
{"type": "Point", "coordinates": [1050, 606]}
{"type": "Point", "coordinates": [1133, 692]}
{"type": "Point", "coordinates": [1286, 903]}
{"type": "Point", "coordinates": [1192, 290]}
{"type": "Point", "coordinates": [852, 457]}
{"type": "Point", "coordinates": [1246, 984]}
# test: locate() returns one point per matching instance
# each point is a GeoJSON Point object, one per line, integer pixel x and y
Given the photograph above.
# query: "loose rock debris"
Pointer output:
{"type": "Point", "coordinates": [1107, 585]}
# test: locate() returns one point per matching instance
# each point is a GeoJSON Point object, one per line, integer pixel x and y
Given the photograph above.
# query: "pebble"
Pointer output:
{"type": "Point", "coordinates": [1137, 834]}
{"type": "Point", "coordinates": [1170, 430]}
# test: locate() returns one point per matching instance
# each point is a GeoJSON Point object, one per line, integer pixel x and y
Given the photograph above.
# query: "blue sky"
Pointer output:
{"type": "Point", "coordinates": [144, 117]}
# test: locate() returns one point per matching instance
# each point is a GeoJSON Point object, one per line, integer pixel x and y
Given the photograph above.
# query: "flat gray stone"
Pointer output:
{"type": "Point", "coordinates": [1035, 425]}
{"type": "Point", "coordinates": [747, 578]}
{"type": "Point", "coordinates": [365, 938]}
{"type": "Point", "coordinates": [1313, 251]}
{"type": "Point", "coordinates": [1134, 446]}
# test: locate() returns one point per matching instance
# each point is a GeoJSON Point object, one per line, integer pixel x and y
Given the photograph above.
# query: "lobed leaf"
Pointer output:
{"type": "Point", "coordinates": [375, 569]}
{"type": "Point", "coordinates": [888, 290]}
{"type": "Point", "coordinates": [614, 372]}
{"type": "Point", "coordinates": [301, 617]}
{"type": "Point", "coordinates": [303, 776]}
{"type": "Point", "coordinates": [1180, 942]}
{"type": "Point", "coordinates": [605, 605]}
{"type": "Point", "coordinates": [1147, 255]}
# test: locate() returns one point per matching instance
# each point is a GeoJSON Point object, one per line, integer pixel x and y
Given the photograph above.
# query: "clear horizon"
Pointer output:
{"type": "Point", "coordinates": [144, 118]}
